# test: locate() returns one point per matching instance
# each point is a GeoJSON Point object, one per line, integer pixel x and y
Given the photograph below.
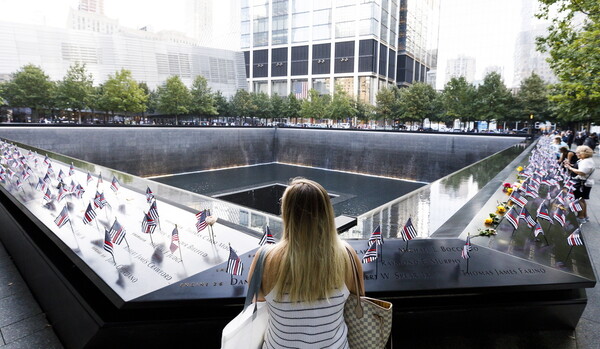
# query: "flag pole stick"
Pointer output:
{"type": "Point", "coordinates": [76, 241]}
{"type": "Point", "coordinates": [545, 238]}
{"type": "Point", "coordinates": [179, 242]}
{"type": "Point", "coordinates": [568, 254]}
{"type": "Point", "coordinates": [127, 242]}
{"type": "Point", "coordinates": [468, 264]}
{"type": "Point", "coordinates": [152, 241]}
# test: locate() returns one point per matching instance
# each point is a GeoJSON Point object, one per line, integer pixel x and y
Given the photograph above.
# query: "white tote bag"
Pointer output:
{"type": "Point", "coordinates": [247, 329]}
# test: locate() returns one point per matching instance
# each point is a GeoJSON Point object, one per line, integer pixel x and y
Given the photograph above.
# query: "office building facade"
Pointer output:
{"type": "Point", "coordinates": [292, 46]}
{"type": "Point", "coordinates": [151, 58]}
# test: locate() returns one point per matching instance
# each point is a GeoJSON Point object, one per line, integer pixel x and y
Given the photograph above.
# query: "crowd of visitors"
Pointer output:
{"type": "Point", "coordinates": [579, 163]}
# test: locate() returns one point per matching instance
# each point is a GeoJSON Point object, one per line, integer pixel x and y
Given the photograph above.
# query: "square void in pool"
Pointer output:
{"type": "Point", "coordinates": [265, 198]}
{"type": "Point", "coordinates": [351, 194]}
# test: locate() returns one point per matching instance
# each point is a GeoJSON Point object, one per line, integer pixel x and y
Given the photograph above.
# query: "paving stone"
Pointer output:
{"type": "Point", "coordinates": [17, 307]}
{"type": "Point", "coordinates": [11, 282]}
{"type": "Point", "coordinates": [44, 339]}
{"type": "Point", "coordinates": [588, 336]}
{"type": "Point", "coordinates": [25, 327]}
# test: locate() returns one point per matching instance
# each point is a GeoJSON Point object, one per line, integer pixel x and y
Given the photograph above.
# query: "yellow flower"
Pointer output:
{"type": "Point", "coordinates": [488, 221]}
{"type": "Point", "coordinates": [509, 191]}
{"type": "Point", "coordinates": [520, 168]}
{"type": "Point", "coordinates": [501, 209]}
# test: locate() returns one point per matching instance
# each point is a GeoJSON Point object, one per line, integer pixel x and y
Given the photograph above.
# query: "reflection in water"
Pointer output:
{"type": "Point", "coordinates": [432, 205]}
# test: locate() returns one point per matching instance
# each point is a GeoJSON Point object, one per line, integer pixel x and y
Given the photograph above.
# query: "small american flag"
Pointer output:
{"type": "Point", "coordinates": [559, 216]}
{"type": "Point", "coordinates": [148, 224]}
{"type": "Point", "coordinates": [62, 218]}
{"type": "Point", "coordinates": [234, 263]}
{"type": "Point", "coordinates": [62, 193]}
{"type": "Point", "coordinates": [513, 217]}
{"type": "Point", "coordinates": [543, 213]}
{"type": "Point", "coordinates": [108, 245]}
{"type": "Point", "coordinates": [575, 238]}
{"type": "Point", "coordinates": [408, 232]}
{"type": "Point", "coordinates": [89, 177]}
{"type": "Point", "coordinates": [117, 233]}
{"type": "Point", "coordinates": [518, 199]}
{"type": "Point", "coordinates": [100, 181]}
{"type": "Point", "coordinates": [371, 253]}
{"type": "Point", "coordinates": [71, 170]}
{"type": "Point", "coordinates": [153, 211]}
{"type": "Point", "coordinates": [100, 200]}
{"type": "Point", "coordinates": [115, 185]}
{"type": "Point", "coordinates": [61, 174]}
{"type": "Point", "coordinates": [524, 215]}
{"type": "Point", "coordinates": [201, 224]}
{"type": "Point", "coordinates": [538, 229]}
{"type": "Point", "coordinates": [50, 170]}
{"type": "Point", "coordinates": [149, 195]}
{"type": "Point", "coordinates": [376, 236]}
{"type": "Point", "coordinates": [48, 195]}
{"type": "Point", "coordinates": [25, 175]}
{"type": "Point", "coordinates": [40, 185]}
{"type": "Point", "coordinates": [575, 206]}
{"type": "Point", "coordinates": [47, 160]}
{"type": "Point", "coordinates": [267, 237]}
{"type": "Point", "coordinates": [174, 240]}
{"type": "Point", "coordinates": [47, 179]}
{"type": "Point", "coordinates": [89, 214]}
{"type": "Point", "coordinates": [466, 248]}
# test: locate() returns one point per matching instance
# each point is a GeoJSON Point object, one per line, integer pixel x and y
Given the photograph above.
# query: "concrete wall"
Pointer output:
{"type": "Point", "coordinates": [416, 156]}
{"type": "Point", "coordinates": [151, 151]}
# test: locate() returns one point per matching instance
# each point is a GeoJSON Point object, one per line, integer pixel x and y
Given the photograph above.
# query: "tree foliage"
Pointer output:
{"type": "Point", "coordinates": [29, 87]}
{"type": "Point", "coordinates": [316, 106]}
{"type": "Point", "coordinates": [387, 104]}
{"type": "Point", "coordinates": [573, 42]}
{"type": "Point", "coordinates": [458, 99]}
{"type": "Point", "coordinates": [418, 102]}
{"type": "Point", "coordinates": [120, 93]}
{"type": "Point", "coordinates": [76, 90]}
{"type": "Point", "coordinates": [202, 98]}
{"type": "Point", "coordinates": [533, 99]}
{"type": "Point", "coordinates": [342, 106]}
{"type": "Point", "coordinates": [494, 101]}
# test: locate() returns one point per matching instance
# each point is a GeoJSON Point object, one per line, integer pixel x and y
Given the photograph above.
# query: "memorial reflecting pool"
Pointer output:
{"type": "Point", "coordinates": [352, 194]}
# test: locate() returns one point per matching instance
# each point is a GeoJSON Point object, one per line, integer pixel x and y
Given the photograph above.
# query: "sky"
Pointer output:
{"type": "Point", "coordinates": [484, 29]}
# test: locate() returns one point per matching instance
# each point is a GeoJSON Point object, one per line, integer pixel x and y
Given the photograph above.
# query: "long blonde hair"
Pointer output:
{"type": "Point", "coordinates": [313, 258]}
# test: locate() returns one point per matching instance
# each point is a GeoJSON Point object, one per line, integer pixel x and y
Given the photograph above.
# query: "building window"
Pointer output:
{"type": "Point", "coordinates": [260, 87]}
{"type": "Point", "coordinates": [322, 86]}
{"type": "Point", "coordinates": [300, 60]}
{"type": "Point", "coordinates": [280, 22]}
{"type": "Point", "coordinates": [366, 88]}
{"type": "Point", "coordinates": [279, 87]}
{"type": "Point", "coordinates": [347, 84]}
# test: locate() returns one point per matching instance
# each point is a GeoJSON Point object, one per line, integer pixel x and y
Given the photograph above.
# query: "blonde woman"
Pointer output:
{"type": "Point", "coordinates": [584, 170]}
{"type": "Point", "coordinates": [307, 276]}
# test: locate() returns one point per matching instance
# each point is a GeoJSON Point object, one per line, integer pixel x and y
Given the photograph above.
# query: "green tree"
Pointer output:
{"type": "Point", "coordinates": [222, 105]}
{"type": "Point", "coordinates": [387, 104]}
{"type": "Point", "coordinates": [364, 111]}
{"type": "Point", "coordinates": [419, 102]}
{"type": "Point", "coordinates": [574, 57]}
{"type": "Point", "coordinates": [263, 108]}
{"type": "Point", "coordinates": [342, 107]}
{"type": "Point", "coordinates": [278, 105]}
{"type": "Point", "coordinates": [493, 100]}
{"type": "Point", "coordinates": [121, 94]}
{"type": "Point", "coordinates": [533, 100]}
{"type": "Point", "coordinates": [458, 100]}
{"type": "Point", "coordinates": [29, 87]}
{"type": "Point", "coordinates": [293, 107]}
{"type": "Point", "coordinates": [174, 98]}
{"type": "Point", "coordinates": [316, 106]}
{"type": "Point", "coordinates": [76, 90]}
{"type": "Point", "coordinates": [202, 98]}
{"type": "Point", "coordinates": [243, 104]}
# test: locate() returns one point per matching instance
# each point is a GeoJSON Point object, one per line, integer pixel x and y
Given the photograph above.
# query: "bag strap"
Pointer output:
{"type": "Point", "coordinates": [256, 280]}
{"type": "Point", "coordinates": [358, 309]}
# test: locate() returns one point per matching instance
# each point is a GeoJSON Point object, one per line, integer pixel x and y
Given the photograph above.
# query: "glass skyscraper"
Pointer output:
{"type": "Point", "coordinates": [291, 46]}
